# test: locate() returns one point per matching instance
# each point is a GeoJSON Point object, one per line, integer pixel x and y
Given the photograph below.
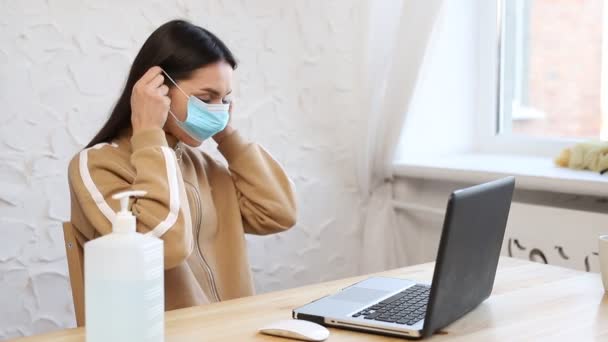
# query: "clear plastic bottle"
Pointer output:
{"type": "Point", "coordinates": [124, 282]}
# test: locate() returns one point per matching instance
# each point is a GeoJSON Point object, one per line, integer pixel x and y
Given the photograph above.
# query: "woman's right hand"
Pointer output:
{"type": "Point", "coordinates": [149, 101]}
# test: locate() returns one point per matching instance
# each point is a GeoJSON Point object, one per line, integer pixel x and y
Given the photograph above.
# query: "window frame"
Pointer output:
{"type": "Point", "coordinates": [488, 140]}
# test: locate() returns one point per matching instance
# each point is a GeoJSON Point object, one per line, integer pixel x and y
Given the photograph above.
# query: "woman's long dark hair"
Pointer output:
{"type": "Point", "coordinates": [178, 47]}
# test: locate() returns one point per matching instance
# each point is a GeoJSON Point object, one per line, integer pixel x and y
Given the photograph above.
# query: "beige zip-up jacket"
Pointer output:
{"type": "Point", "coordinates": [198, 206]}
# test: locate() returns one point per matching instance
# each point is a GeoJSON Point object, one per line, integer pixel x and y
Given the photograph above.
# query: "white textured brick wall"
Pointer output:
{"type": "Point", "coordinates": [62, 65]}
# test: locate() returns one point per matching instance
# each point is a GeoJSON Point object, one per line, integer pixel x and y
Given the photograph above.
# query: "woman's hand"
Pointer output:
{"type": "Point", "coordinates": [149, 101]}
{"type": "Point", "coordinates": [229, 129]}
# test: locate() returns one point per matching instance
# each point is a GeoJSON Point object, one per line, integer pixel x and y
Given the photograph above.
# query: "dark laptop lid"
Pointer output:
{"type": "Point", "coordinates": [469, 249]}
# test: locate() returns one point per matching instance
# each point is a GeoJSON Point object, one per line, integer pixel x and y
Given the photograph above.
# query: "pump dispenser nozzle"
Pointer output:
{"type": "Point", "coordinates": [124, 221]}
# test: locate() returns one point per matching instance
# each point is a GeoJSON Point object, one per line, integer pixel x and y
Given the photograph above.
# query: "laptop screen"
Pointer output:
{"type": "Point", "coordinates": [469, 250]}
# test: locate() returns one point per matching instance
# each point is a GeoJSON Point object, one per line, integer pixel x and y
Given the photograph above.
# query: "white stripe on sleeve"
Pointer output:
{"type": "Point", "coordinates": [174, 201]}
{"type": "Point", "coordinates": [85, 175]}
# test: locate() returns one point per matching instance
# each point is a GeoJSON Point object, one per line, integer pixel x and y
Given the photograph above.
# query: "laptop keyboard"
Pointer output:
{"type": "Point", "coordinates": [406, 307]}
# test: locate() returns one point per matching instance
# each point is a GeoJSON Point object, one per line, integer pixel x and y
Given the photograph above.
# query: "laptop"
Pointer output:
{"type": "Point", "coordinates": [469, 249]}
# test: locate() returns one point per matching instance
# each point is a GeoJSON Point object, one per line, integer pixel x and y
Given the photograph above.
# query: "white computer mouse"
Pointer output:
{"type": "Point", "coordinates": [297, 329]}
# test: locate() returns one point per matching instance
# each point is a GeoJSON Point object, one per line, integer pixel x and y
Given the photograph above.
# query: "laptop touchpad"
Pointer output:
{"type": "Point", "coordinates": [359, 295]}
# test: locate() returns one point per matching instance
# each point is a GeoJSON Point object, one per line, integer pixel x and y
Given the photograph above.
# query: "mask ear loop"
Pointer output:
{"type": "Point", "coordinates": [217, 106]}
{"type": "Point", "coordinates": [178, 87]}
{"type": "Point", "coordinates": [173, 81]}
{"type": "Point", "coordinates": [183, 92]}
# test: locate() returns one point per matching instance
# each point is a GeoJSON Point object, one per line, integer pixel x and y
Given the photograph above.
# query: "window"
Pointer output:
{"type": "Point", "coordinates": [514, 91]}
{"type": "Point", "coordinates": [553, 69]}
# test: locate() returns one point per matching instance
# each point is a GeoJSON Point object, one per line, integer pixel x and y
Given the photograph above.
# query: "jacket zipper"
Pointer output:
{"type": "Point", "coordinates": [205, 265]}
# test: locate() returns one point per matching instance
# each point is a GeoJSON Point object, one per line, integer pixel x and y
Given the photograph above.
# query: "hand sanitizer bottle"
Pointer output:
{"type": "Point", "coordinates": [124, 282]}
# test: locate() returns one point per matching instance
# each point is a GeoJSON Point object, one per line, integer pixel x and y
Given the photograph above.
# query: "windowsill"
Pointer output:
{"type": "Point", "coordinates": [532, 173]}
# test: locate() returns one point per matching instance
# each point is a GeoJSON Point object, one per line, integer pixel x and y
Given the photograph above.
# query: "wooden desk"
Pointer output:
{"type": "Point", "coordinates": [530, 302]}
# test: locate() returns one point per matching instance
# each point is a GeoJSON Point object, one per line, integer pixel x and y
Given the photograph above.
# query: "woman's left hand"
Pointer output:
{"type": "Point", "coordinates": [229, 129]}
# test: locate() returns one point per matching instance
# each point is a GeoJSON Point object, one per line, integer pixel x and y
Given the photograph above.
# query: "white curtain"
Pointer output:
{"type": "Point", "coordinates": [398, 35]}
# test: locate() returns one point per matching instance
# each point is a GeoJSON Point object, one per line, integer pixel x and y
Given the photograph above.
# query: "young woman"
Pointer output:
{"type": "Point", "coordinates": [176, 96]}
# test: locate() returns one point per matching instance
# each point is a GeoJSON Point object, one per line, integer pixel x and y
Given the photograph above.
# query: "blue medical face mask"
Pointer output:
{"type": "Point", "coordinates": [203, 120]}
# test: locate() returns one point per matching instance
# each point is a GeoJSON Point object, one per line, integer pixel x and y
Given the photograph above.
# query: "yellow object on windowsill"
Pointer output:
{"type": "Point", "coordinates": [592, 155]}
